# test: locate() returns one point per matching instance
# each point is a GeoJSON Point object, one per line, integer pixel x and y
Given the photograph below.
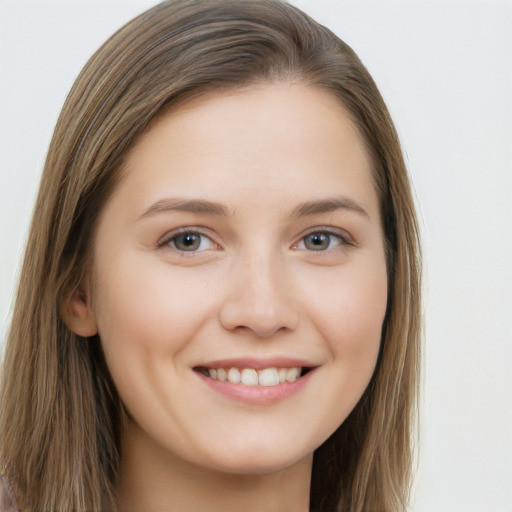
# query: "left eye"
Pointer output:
{"type": "Point", "coordinates": [190, 242]}
{"type": "Point", "coordinates": [319, 241]}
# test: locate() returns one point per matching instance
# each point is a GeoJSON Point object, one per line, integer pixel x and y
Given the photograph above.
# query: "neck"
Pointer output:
{"type": "Point", "coordinates": [155, 481]}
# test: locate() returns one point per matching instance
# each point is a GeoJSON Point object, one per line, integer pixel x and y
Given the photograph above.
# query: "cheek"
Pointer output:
{"type": "Point", "coordinates": [146, 315]}
{"type": "Point", "coordinates": [347, 309]}
{"type": "Point", "coordinates": [351, 313]}
{"type": "Point", "coordinates": [146, 309]}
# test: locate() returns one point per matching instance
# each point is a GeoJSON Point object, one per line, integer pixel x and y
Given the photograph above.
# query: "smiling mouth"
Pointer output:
{"type": "Point", "coordinates": [266, 377]}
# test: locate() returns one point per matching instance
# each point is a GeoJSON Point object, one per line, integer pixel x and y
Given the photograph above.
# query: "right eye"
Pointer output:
{"type": "Point", "coordinates": [188, 241]}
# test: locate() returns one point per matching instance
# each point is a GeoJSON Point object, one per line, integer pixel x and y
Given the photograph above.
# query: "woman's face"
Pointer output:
{"type": "Point", "coordinates": [243, 243]}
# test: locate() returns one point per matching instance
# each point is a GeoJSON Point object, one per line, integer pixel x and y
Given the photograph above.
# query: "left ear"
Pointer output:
{"type": "Point", "coordinates": [77, 312]}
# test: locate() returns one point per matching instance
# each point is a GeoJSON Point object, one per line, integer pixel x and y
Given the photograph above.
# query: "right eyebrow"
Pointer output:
{"type": "Point", "coordinates": [178, 204]}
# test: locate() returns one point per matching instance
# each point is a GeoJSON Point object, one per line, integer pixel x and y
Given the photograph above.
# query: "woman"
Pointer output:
{"type": "Point", "coordinates": [219, 306]}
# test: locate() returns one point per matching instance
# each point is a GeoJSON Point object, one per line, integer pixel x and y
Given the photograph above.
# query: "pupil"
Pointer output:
{"type": "Point", "coordinates": [318, 241]}
{"type": "Point", "coordinates": [187, 242]}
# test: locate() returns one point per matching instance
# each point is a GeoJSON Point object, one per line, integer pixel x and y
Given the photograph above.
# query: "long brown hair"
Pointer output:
{"type": "Point", "coordinates": [60, 412]}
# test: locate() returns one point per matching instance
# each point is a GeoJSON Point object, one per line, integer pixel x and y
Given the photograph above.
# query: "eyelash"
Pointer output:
{"type": "Point", "coordinates": [343, 239]}
{"type": "Point", "coordinates": [191, 231]}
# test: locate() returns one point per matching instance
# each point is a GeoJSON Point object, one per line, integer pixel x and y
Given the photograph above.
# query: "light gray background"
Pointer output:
{"type": "Point", "coordinates": [445, 70]}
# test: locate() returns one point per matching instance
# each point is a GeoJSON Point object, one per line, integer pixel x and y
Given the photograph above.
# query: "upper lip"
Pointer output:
{"type": "Point", "coordinates": [258, 363]}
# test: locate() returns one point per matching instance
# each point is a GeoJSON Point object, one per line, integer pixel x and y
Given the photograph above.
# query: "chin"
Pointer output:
{"type": "Point", "coordinates": [257, 460]}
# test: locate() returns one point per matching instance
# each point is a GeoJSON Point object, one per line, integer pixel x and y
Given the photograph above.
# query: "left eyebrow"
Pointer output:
{"type": "Point", "coordinates": [332, 204]}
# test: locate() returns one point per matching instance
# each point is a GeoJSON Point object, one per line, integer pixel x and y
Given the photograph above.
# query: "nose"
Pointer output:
{"type": "Point", "coordinates": [260, 299]}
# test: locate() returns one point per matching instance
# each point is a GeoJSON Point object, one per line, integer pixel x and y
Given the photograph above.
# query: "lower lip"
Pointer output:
{"type": "Point", "coordinates": [257, 395]}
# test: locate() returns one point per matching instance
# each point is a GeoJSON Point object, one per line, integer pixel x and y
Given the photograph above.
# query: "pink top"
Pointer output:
{"type": "Point", "coordinates": [7, 499]}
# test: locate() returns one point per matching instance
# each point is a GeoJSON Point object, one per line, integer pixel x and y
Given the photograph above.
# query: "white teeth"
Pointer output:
{"type": "Point", "coordinates": [251, 377]}
{"type": "Point", "coordinates": [292, 374]}
{"type": "Point", "coordinates": [234, 375]}
{"type": "Point", "coordinates": [268, 377]}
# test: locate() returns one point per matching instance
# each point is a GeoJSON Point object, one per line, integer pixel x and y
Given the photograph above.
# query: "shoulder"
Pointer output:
{"type": "Point", "coordinates": [7, 499]}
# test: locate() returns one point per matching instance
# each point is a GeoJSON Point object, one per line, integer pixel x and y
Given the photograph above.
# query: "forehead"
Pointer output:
{"type": "Point", "coordinates": [287, 140]}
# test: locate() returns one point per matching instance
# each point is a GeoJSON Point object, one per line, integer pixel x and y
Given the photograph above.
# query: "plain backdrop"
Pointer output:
{"type": "Point", "coordinates": [445, 71]}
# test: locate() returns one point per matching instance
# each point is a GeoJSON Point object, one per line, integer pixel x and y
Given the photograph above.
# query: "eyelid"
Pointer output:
{"type": "Point", "coordinates": [193, 230]}
{"type": "Point", "coordinates": [344, 236]}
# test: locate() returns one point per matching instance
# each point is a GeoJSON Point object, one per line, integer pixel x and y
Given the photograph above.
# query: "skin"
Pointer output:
{"type": "Point", "coordinates": [256, 287]}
